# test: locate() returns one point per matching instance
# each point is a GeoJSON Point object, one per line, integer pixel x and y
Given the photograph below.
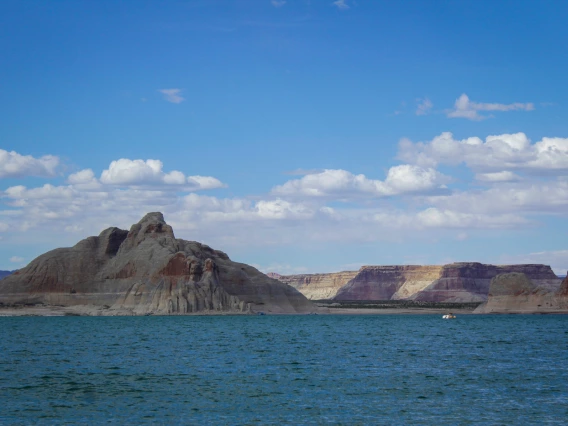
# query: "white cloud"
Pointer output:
{"type": "Point", "coordinates": [278, 3]}
{"type": "Point", "coordinates": [13, 165]}
{"type": "Point", "coordinates": [439, 219]}
{"type": "Point", "coordinates": [280, 209]}
{"type": "Point", "coordinates": [520, 198]}
{"type": "Point", "coordinates": [464, 108]}
{"type": "Point", "coordinates": [69, 214]}
{"type": "Point", "coordinates": [172, 95]}
{"type": "Point", "coordinates": [504, 176]}
{"type": "Point", "coordinates": [424, 106]}
{"type": "Point", "coordinates": [341, 4]}
{"type": "Point", "coordinates": [238, 209]}
{"type": "Point", "coordinates": [499, 153]}
{"type": "Point", "coordinates": [341, 184]}
{"type": "Point", "coordinates": [20, 192]}
{"type": "Point", "coordinates": [84, 179]}
{"type": "Point", "coordinates": [436, 218]}
{"type": "Point", "coordinates": [149, 172]}
{"type": "Point", "coordinates": [16, 259]}
{"type": "Point", "coordinates": [298, 212]}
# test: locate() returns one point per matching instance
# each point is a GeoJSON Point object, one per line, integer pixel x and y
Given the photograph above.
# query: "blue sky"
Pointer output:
{"type": "Point", "coordinates": [298, 136]}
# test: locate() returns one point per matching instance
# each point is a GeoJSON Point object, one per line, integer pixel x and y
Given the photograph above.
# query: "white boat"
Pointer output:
{"type": "Point", "coordinates": [449, 316]}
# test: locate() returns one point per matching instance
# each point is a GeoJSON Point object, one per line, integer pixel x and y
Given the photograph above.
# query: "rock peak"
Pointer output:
{"type": "Point", "coordinates": [151, 226]}
{"type": "Point", "coordinates": [152, 217]}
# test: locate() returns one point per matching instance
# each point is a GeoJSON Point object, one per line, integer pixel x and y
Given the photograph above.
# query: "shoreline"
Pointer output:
{"type": "Point", "coordinates": [89, 310]}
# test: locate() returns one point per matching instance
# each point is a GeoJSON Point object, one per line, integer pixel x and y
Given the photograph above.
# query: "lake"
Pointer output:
{"type": "Point", "coordinates": [315, 369]}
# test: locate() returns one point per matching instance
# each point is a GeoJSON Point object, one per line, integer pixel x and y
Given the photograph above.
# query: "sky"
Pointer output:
{"type": "Point", "coordinates": [298, 136]}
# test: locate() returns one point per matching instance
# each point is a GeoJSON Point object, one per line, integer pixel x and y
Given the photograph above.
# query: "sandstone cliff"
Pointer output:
{"type": "Point", "coordinates": [148, 270]}
{"type": "Point", "coordinates": [318, 286]}
{"type": "Point", "coordinates": [516, 293]}
{"type": "Point", "coordinates": [456, 282]}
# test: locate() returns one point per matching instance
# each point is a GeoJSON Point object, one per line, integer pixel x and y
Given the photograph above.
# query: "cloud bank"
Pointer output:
{"type": "Point", "coordinates": [15, 165]}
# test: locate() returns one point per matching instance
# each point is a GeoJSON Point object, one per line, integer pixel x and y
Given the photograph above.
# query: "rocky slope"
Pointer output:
{"type": "Point", "coordinates": [148, 270]}
{"type": "Point", "coordinates": [516, 293]}
{"type": "Point", "coordinates": [456, 282]}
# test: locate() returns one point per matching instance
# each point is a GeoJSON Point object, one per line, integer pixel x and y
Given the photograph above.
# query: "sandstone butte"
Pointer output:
{"type": "Point", "coordinates": [516, 293]}
{"type": "Point", "coordinates": [147, 271]}
{"type": "Point", "coordinates": [456, 282]}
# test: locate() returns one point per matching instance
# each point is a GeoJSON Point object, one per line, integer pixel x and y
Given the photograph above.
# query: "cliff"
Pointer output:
{"type": "Point", "coordinates": [148, 270]}
{"type": "Point", "coordinates": [456, 282]}
{"type": "Point", "coordinates": [318, 286]}
{"type": "Point", "coordinates": [517, 293]}
{"type": "Point", "coordinates": [388, 282]}
{"type": "Point", "coordinates": [469, 282]}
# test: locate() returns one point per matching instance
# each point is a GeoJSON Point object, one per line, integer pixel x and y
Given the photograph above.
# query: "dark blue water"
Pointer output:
{"type": "Point", "coordinates": [388, 369]}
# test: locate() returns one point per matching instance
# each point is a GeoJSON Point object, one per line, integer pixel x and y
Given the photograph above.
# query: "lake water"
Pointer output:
{"type": "Point", "coordinates": [384, 369]}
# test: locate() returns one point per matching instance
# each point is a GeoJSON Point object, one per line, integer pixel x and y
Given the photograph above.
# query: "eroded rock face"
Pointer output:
{"type": "Point", "coordinates": [469, 282]}
{"type": "Point", "coordinates": [517, 293]}
{"type": "Point", "coordinates": [147, 270]}
{"type": "Point", "coordinates": [456, 282]}
{"type": "Point", "coordinates": [318, 286]}
{"type": "Point", "coordinates": [388, 282]}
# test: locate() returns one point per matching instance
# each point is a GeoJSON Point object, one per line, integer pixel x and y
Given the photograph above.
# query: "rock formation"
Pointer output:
{"type": "Point", "coordinates": [516, 293]}
{"type": "Point", "coordinates": [456, 282]}
{"type": "Point", "coordinates": [318, 286]}
{"type": "Point", "coordinates": [147, 270]}
{"type": "Point", "coordinates": [388, 282]}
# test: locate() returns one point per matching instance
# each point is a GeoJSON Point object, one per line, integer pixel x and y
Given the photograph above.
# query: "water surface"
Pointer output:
{"type": "Point", "coordinates": [384, 369]}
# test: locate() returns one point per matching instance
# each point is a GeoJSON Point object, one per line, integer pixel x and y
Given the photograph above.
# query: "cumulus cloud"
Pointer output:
{"type": "Point", "coordinates": [70, 213]}
{"type": "Point", "coordinates": [172, 95]}
{"type": "Point", "coordinates": [84, 179]}
{"type": "Point", "coordinates": [16, 259]}
{"type": "Point", "coordinates": [341, 4]}
{"type": "Point", "coordinates": [301, 209]}
{"type": "Point", "coordinates": [13, 165]}
{"type": "Point", "coordinates": [238, 209]}
{"type": "Point", "coordinates": [498, 153]}
{"type": "Point", "coordinates": [464, 108]}
{"type": "Point", "coordinates": [340, 184]}
{"type": "Point", "coordinates": [423, 106]}
{"type": "Point", "coordinates": [149, 172]}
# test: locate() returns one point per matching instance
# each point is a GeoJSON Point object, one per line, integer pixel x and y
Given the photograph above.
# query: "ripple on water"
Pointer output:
{"type": "Point", "coordinates": [291, 369]}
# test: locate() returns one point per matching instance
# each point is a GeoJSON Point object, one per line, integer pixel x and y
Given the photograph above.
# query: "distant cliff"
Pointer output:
{"type": "Point", "coordinates": [317, 286]}
{"type": "Point", "coordinates": [147, 270]}
{"type": "Point", "coordinates": [517, 293]}
{"type": "Point", "coordinates": [456, 282]}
